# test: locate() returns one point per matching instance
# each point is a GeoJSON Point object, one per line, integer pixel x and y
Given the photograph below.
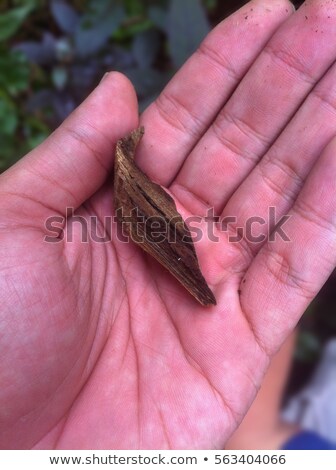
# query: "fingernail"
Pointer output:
{"type": "Point", "coordinates": [104, 76]}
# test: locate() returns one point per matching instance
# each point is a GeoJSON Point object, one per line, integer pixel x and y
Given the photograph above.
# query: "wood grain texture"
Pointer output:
{"type": "Point", "coordinates": [150, 218]}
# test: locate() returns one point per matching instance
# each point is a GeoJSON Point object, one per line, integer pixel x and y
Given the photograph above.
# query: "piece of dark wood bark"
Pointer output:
{"type": "Point", "coordinates": [150, 218]}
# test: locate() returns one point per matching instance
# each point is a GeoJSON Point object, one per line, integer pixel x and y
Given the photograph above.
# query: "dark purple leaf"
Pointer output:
{"type": "Point", "coordinates": [187, 26]}
{"type": "Point", "coordinates": [93, 33]}
{"type": "Point", "coordinates": [42, 53]}
{"type": "Point", "coordinates": [60, 103]}
{"type": "Point", "coordinates": [146, 82]}
{"type": "Point", "coordinates": [64, 104]}
{"type": "Point", "coordinates": [145, 48]}
{"type": "Point", "coordinates": [159, 17]}
{"type": "Point", "coordinates": [39, 100]}
{"type": "Point", "coordinates": [83, 76]}
{"type": "Point", "coordinates": [65, 16]}
{"type": "Point", "coordinates": [118, 57]}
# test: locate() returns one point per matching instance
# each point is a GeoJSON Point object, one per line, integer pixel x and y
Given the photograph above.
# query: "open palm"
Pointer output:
{"type": "Point", "coordinates": [100, 346]}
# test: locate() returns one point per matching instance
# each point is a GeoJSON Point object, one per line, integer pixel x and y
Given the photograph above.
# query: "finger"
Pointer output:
{"type": "Point", "coordinates": [277, 180]}
{"type": "Point", "coordinates": [296, 57]}
{"type": "Point", "coordinates": [69, 166]}
{"type": "Point", "coordinates": [286, 276]}
{"type": "Point", "coordinates": [189, 103]}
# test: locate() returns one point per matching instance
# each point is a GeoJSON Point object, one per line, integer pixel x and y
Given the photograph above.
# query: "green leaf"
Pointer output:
{"type": "Point", "coordinates": [35, 131]}
{"type": "Point", "coordinates": [308, 347]}
{"type": "Point", "coordinates": [14, 71]}
{"type": "Point", "coordinates": [8, 115]}
{"type": "Point", "coordinates": [9, 152]}
{"type": "Point", "coordinates": [125, 32]}
{"type": "Point", "coordinates": [134, 7]}
{"type": "Point", "coordinates": [31, 3]}
{"type": "Point", "coordinates": [210, 4]}
{"type": "Point", "coordinates": [187, 27]}
{"type": "Point", "coordinates": [11, 21]}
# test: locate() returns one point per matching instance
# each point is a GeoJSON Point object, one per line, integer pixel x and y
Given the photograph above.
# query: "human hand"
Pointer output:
{"type": "Point", "coordinates": [100, 347]}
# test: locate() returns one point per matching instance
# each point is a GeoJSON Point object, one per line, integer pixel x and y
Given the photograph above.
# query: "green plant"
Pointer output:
{"type": "Point", "coordinates": [19, 132]}
{"type": "Point", "coordinates": [52, 54]}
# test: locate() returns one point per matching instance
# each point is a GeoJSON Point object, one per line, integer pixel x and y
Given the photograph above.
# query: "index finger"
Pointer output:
{"type": "Point", "coordinates": [191, 100]}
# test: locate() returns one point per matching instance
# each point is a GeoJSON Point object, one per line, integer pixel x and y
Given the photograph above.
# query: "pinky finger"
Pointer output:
{"type": "Point", "coordinates": [287, 274]}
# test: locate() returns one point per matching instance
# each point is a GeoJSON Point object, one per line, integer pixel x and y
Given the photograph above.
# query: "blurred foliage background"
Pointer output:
{"type": "Point", "coordinates": [53, 53]}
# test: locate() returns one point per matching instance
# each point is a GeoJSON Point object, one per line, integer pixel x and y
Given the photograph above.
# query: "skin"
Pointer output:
{"type": "Point", "coordinates": [262, 427]}
{"type": "Point", "coordinates": [100, 348]}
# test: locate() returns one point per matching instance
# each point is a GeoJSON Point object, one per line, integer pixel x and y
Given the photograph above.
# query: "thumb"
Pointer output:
{"type": "Point", "coordinates": [71, 165]}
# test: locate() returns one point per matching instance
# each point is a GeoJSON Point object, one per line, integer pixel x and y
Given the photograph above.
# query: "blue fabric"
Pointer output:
{"type": "Point", "coordinates": [308, 440]}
